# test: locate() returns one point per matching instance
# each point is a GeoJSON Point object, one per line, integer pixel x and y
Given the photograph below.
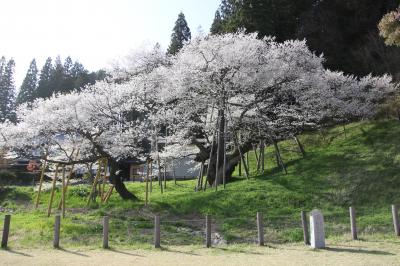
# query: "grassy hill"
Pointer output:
{"type": "Point", "coordinates": [357, 165]}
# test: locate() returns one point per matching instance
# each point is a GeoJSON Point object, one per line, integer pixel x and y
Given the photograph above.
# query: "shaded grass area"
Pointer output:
{"type": "Point", "coordinates": [358, 168]}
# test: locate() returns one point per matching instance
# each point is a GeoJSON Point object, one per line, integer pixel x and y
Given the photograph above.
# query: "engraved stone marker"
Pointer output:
{"type": "Point", "coordinates": [317, 229]}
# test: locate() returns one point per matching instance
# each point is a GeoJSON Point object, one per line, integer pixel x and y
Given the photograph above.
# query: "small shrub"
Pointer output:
{"type": "Point", "coordinates": [7, 178]}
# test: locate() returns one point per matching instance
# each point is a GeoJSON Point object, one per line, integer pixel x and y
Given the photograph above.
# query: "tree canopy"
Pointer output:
{"type": "Point", "coordinates": [232, 84]}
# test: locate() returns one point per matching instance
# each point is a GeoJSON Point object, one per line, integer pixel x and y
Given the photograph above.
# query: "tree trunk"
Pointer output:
{"type": "Point", "coordinates": [116, 180]}
{"type": "Point", "coordinates": [232, 161]}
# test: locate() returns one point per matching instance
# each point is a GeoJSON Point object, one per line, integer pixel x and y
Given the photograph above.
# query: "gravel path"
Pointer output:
{"type": "Point", "coordinates": [349, 253]}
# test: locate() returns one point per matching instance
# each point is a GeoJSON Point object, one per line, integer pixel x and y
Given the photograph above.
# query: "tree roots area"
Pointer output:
{"type": "Point", "coordinates": [337, 253]}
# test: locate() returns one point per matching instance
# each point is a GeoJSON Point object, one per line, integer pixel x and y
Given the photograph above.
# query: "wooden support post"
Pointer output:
{"type": "Point", "coordinates": [94, 184]}
{"type": "Point", "coordinates": [66, 185]}
{"type": "Point", "coordinates": [103, 194]}
{"type": "Point", "coordinates": [240, 167]}
{"type": "Point", "coordinates": [353, 223]}
{"type": "Point", "coordinates": [173, 172]}
{"type": "Point", "coordinates": [147, 185]}
{"type": "Point", "coordinates": [246, 169]}
{"type": "Point", "coordinates": [260, 229]}
{"type": "Point", "coordinates": [224, 158]}
{"type": "Point", "coordinates": [262, 152]}
{"type": "Point", "coordinates": [247, 161]}
{"type": "Point", "coordinates": [159, 174]}
{"type": "Point", "coordinates": [208, 231]}
{"type": "Point", "coordinates": [301, 148]}
{"type": "Point", "coordinates": [108, 195]}
{"type": "Point", "coordinates": [105, 231]}
{"type": "Point", "coordinates": [279, 157]}
{"type": "Point", "coordinates": [63, 193]}
{"type": "Point", "coordinates": [52, 192]}
{"type": "Point", "coordinates": [216, 179]}
{"type": "Point", "coordinates": [200, 183]}
{"type": "Point", "coordinates": [57, 225]}
{"type": "Point", "coordinates": [6, 231]}
{"type": "Point", "coordinates": [40, 184]}
{"type": "Point", "coordinates": [165, 174]}
{"type": "Point", "coordinates": [258, 158]}
{"type": "Point", "coordinates": [304, 223]}
{"type": "Point", "coordinates": [395, 216]}
{"type": "Point", "coordinates": [209, 160]}
{"type": "Point", "coordinates": [151, 176]}
{"type": "Point", "coordinates": [157, 232]}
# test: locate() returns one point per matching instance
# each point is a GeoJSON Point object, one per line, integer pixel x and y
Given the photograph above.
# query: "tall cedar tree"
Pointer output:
{"type": "Point", "coordinates": [7, 90]}
{"type": "Point", "coordinates": [58, 76]}
{"type": "Point", "coordinates": [217, 27]}
{"type": "Point", "coordinates": [27, 91]}
{"type": "Point", "coordinates": [180, 35]}
{"type": "Point", "coordinates": [44, 89]}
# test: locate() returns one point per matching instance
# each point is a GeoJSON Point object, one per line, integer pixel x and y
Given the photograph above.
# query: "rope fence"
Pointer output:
{"type": "Point", "coordinates": [260, 229]}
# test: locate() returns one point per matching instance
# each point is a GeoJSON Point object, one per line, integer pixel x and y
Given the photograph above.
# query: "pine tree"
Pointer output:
{"type": "Point", "coordinates": [217, 27]}
{"type": "Point", "coordinates": [27, 92]}
{"type": "Point", "coordinates": [58, 76]}
{"type": "Point", "coordinates": [68, 83]}
{"type": "Point", "coordinates": [7, 90]}
{"type": "Point", "coordinates": [180, 35]}
{"type": "Point", "coordinates": [44, 89]}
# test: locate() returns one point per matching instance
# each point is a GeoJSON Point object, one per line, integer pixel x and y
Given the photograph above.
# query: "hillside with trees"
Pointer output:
{"type": "Point", "coordinates": [345, 32]}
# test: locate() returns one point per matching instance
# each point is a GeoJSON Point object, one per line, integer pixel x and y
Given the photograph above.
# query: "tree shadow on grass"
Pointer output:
{"type": "Point", "coordinates": [123, 252]}
{"type": "Point", "coordinates": [359, 251]}
{"type": "Point", "coordinates": [177, 251]}
{"type": "Point", "coordinates": [72, 252]}
{"type": "Point", "coordinates": [17, 252]}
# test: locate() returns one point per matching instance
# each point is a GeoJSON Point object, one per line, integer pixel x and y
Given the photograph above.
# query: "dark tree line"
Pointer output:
{"type": "Point", "coordinates": [57, 77]}
{"type": "Point", "coordinates": [345, 31]}
{"type": "Point", "coordinates": [53, 78]}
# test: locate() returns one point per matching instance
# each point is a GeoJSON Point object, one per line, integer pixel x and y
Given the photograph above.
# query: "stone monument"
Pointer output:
{"type": "Point", "coordinates": [317, 229]}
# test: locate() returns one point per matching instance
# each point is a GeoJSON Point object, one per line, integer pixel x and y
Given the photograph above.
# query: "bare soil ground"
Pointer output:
{"type": "Point", "coordinates": [344, 253]}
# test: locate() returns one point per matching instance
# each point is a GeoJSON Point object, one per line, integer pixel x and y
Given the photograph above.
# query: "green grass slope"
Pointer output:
{"type": "Point", "coordinates": [357, 165]}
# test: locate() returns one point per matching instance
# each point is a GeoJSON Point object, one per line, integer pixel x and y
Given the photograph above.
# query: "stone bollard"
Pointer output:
{"type": "Point", "coordinates": [396, 222]}
{"type": "Point", "coordinates": [260, 229]}
{"type": "Point", "coordinates": [353, 223]}
{"type": "Point", "coordinates": [317, 229]}
{"type": "Point", "coordinates": [157, 232]}
{"type": "Point", "coordinates": [306, 235]}
{"type": "Point", "coordinates": [208, 231]}
{"type": "Point", "coordinates": [105, 231]}
{"type": "Point", "coordinates": [57, 225]}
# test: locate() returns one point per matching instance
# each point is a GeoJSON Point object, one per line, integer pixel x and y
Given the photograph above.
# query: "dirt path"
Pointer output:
{"type": "Point", "coordinates": [350, 253]}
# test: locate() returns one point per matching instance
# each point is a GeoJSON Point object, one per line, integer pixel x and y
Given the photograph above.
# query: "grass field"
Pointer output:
{"type": "Point", "coordinates": [358, 168]}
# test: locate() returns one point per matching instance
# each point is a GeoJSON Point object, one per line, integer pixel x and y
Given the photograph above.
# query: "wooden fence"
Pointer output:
{"type": "Point", "coordinates": [207, 229]}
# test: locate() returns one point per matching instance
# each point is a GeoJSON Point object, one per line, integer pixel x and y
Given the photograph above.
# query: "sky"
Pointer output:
{"type": "Point", "coordinates": [94, 32]}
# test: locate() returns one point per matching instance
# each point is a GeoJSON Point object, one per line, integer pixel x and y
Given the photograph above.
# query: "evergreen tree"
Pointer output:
{"type": "Point", "coordinates": [27, 92]}
{"type": "Point", "coordinates": [217, 27]}
{"type": "Point", "coordinates": [44, 89]}
{"type": "Point", "coordinates": [180, 35]}
{"type": "Point", "coordinates": [58, 76]}
{"type": "Point", "coordinates": [7, 90]}
{"type": "Point", "coordinates": [345, 31]}
{"type": "Point", "coordinates": [2, 65]}
{"type": "Point", "coordinates": [68, 79]}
